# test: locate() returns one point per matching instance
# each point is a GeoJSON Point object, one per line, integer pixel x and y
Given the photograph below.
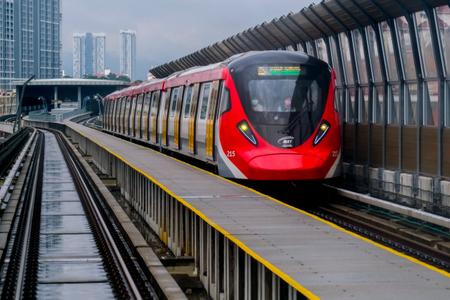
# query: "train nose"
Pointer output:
{"type": "Point", "coordinates": [285, 167]}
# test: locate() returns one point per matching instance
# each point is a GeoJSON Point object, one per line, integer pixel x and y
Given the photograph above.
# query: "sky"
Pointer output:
{"type": "Point", "coordinates": [165, 29]}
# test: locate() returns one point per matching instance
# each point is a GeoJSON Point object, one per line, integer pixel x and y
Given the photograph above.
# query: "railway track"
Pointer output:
{"type": "Point", "coordinates": [417, 239]}
{"type": "Point", "coordinates": [63, 243]}
{"type": "Point", "coordinates": [421, 240]}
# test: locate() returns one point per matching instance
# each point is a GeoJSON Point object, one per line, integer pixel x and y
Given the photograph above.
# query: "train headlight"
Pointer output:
{"type": "Point", "coordinates": [246, 131]}
{"type": "Point", "coordinates": [323, 129]}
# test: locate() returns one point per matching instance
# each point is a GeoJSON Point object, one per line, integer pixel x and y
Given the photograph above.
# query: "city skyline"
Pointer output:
{"type": "Point", "coordinates": [30, 40]}
{"type": "Point", "coordinates": [88, 54]}
{"type": "Point", "coordinates": [159, 40]}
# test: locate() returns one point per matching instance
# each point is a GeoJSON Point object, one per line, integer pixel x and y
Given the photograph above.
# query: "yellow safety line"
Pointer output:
{"type": "Point", "coordinates": [271, 267]}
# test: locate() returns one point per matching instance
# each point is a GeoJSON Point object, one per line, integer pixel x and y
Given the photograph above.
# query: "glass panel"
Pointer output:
{"type": "Point", "coordinates": [309, 48]}
{"type": "Point", "coordinates": [378, 103]}
{"type": "Point", "coordinates": [290, 48]}
{"type": "Point", "coordinates": [173, 101]}
{"type": "Point", "coordinates": [205, 99]}
{"type": "Point", "coordinates": [360, 56]}
{"type": "Point", "coordinates": [280, 103]}
{"type": "Point", "coordinates": [347, 56]}
{"type": "Point", "coordinates": [374, 54]}
{"type": "Point", "coordinates": [410, 104]}
{"type": "Point", "coordinates": [338, 100]}
{"type": "Point", "coordinates": [394, 104]}
{"type": "Point", "coordinates": [351, 108]}
{"type": "Point", "coordinates": [363, 115]}
{"type": "Point", "coordinates": [406, 48]}
{"type": "Point", "coordinates": [335, 61]}
{"type": "Point", "coordinates": [431, 104]}
{"type": "Point", "coordinates": [425, 43]}
{"type": "Point", "coordinates": [389, 51]}
{"type": "Point", "coordinates": [443, 14]}
{"type": "Point", "coordinates": [447, 105]}
{"type": "Point", "coordinates": [187, 101]}
{"type": "Point", "coordinates": [300, 47]}
{"type": "Point", "coordinates": [322, 50]}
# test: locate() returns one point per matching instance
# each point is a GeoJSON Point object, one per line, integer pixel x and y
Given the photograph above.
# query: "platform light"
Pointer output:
{"type": "Point", "coordinates": [323, 129]}
{"type": "Point", "coordinates": [246, 131]}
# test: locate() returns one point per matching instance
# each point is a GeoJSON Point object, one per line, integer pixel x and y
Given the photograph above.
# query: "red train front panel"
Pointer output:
{"type": "Point", "coordinates": [280, 122]}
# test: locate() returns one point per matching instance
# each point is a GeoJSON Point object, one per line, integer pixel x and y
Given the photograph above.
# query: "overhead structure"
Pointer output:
{"type": "Point", "coordinates": [392, 63]}
{"type": "Point", "coordinates": [294, 30]}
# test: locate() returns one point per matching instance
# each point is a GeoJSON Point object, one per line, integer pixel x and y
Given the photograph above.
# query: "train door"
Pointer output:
{"type": "Point", "coordinates": [156, 97]}
{"type": "Point", "coordinates": [164, 114]}
{"type": "Point", "coordinates": [138, 115]}
{"type": "Point", "coordinates": [145, 117]}
{"type": "Point", "coordinates": [184, 117]}
{"type": "Point", "coordinates": [109, 106]}
{"type": "Point", "coordinates": [131, 132]}
{"type": "Point", "coordinates": [174, 117]}
{"type": "Point", "coordinates": [126, 115]}
{"type": "Point", "coordinates": [210, 121]}
{"type": "Point", "coordinates": [193, 120]}
{"type": "Point", "coordinates": [115, 116]}
{"type": "Point", "coordinates": [106, 106]}
{"type": "Point", "coordinates": [122, 115]}
{"type": "Point", "coordinates": [200, 135]}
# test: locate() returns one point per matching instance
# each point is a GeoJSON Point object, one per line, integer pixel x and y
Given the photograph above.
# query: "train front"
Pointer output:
{"type": "Point", "coordinates": [279, 121]}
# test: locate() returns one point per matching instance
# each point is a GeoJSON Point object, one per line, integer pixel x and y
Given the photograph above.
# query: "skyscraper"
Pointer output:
{"type": "Point", "coordinates": [30, 40]}
{"type": "Point", "coordinates": [78, 55]}
{"type": "Point", "coordinates": [88, 54]}
{"type": "Point", "coordinates": [128, 53]}
{"type": "Point", "coordinates": [99, 53]}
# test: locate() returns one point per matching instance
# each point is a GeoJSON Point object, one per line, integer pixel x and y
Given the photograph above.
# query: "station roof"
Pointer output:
{"type": "Point", "coordinates": [72, 82]}
{"type": "Point", "coordinates": [327, 18]}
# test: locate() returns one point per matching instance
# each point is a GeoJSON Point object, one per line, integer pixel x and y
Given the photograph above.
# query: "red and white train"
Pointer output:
{"type": "Point", "coordinates": [266, 115]}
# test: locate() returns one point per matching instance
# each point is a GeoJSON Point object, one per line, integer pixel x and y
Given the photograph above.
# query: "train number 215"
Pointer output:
{"type": "Point", "coordinates": [231, 153]}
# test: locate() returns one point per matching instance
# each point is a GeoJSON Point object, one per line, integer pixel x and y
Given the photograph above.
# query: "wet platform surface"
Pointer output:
{"type": "Point", "coordinates": [329, 262]}
{"type": "Point", "coordinates": [70, 266]}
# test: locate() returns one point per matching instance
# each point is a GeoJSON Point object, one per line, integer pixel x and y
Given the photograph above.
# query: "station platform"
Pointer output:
{"type": "Point", "coordinates": [318, 258]}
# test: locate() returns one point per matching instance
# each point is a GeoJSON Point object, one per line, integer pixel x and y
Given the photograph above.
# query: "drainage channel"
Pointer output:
{"type": "Point", "coordinates": [62, 247]}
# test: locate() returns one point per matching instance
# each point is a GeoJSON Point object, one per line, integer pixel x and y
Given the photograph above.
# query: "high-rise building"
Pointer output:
{"type": "Point", "coordinates": [99, 53]}
{"type": "Point", "coordinates": [30, 40]}
{"type": "Point", "coordinates": [88, 54]}
{"type": "Point", "coordinates": [78, 55]}
{"type": "Point", "coordinates": [128, 53]}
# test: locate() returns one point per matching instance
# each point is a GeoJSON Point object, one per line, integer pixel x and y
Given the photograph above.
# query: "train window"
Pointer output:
{"type": "Point", "coordinates": [187, 101]}
{"type": "Point", "coordinates": [225, 103]}
{"type": "Point", "coordinates": [173, 101]}
{"type": "Point", "coordinates": [284, 99]}
{"type": "Point", "coordinates": [206, 89]}
{"type": "Point", "coordinates": [146, 105]}
{"type": "Point", "coordinates": [155, 103]}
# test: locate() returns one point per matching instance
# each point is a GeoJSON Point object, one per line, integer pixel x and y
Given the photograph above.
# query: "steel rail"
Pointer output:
{"type": "Point", "coordinates": [125, 284]}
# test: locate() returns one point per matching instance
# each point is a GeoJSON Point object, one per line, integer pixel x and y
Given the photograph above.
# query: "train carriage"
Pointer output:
{"type": "Point", "coordinates": [267, 115]}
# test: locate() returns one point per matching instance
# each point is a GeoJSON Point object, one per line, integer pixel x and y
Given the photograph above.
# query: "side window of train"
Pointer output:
{"type": "Point", "coordinates": [155, 103]}
{"type": "Point", "coordinates": [224, 102]}
{"type": "Point", "coordinates": [173, 101]}
{"type": "Point", "coordinates": [206, 88]}
{"type": "Point", "coordinates": [187, 101]}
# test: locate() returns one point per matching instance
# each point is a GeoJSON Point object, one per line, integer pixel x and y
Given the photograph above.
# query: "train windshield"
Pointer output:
{"type": "Point", "coordinates": [284, 103]}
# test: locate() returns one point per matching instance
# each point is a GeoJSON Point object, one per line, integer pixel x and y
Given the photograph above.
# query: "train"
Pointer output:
{"type": "Point", "coordinates": [260, 115]}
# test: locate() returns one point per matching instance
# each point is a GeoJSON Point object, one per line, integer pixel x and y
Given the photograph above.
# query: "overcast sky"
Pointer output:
{"type": "Point", "coordinates": [165, 29]}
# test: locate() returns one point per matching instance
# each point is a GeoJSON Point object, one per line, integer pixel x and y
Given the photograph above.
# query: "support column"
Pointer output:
{"type": "Point", "coordinates": [79, 97]}
{"type": "Point", "coordinates": [55, 93]}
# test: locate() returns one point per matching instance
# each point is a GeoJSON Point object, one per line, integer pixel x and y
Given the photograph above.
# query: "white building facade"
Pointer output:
{"type": "Point", "coordinates": [128, 53]}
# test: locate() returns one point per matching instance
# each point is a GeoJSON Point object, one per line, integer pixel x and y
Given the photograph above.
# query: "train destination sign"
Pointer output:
{"type": "Point", "coordinates": [279, 70]}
